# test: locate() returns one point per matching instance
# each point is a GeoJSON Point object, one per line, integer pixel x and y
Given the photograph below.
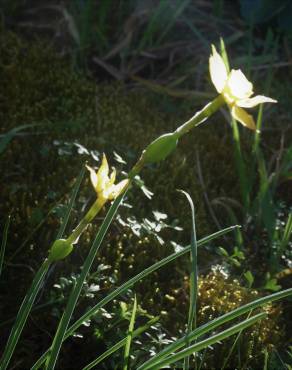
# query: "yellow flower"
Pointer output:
{"type": "Point", "coordinates": [235, 89]}
{"type": "Point", "coordinates": [104, 184]}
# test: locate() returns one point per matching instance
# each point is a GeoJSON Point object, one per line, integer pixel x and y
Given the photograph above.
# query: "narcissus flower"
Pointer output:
{"type": "Point", "coordinates": [235, 89]}
{"type": "Point", "coordinates": [104, 184]}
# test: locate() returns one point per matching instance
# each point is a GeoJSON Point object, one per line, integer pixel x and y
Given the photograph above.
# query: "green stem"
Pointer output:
{"type": "Point", "coordinates": [201, 116]}
{"type": "Point", "coordinates": [197, 119]}
{"type": "Point", "coordinates": [93, 211]}
{"type": "Point", "coordinates": [75, 293]}
{"type": "Point", "coordinates": [241, 168]}
{"type": "Point", "coordinates": [136, 168]}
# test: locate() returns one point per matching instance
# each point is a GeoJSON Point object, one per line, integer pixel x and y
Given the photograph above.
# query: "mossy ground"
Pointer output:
{"type": "Point", "coordinates": [77, 121]}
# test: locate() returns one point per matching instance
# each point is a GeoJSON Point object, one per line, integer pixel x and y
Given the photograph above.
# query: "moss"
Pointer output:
{"type": "Point", "coordinates": [219, 294]}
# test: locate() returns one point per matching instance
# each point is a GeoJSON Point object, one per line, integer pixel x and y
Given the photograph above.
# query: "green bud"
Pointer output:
{"type": "Point", "coordinates": [160, 148]}
{"type": "Point", "coordinates": [61, 248]}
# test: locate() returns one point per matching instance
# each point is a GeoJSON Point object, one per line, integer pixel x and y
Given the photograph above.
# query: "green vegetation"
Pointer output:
{"type": "Point", "coordinates": [153, 279]}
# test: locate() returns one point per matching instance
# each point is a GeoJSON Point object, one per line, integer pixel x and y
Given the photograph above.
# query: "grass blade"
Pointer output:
{"type": "Point", "coordinates": [232, 216]}
{"type": "Point", "coordinates": [128, 284]}
{"type": "Point", "coordinates": [211, 325]}
{"type": "Point", "coordinates": [64, 322]}
{"type": "Point", "coordinates": [4, 242]}
{"type": "Point", "coordinates": [71, 203]}
{"type": "Point", "coordinates": [8, 136]}
{"type": "Point", "coordinates": [30, 297]}
{"type": "Point", "coordinates": [129, 337]}
{"type": "Point", "coordinates": [174, 16]}
{"type": "Point", "coordinates": [266, 358]}
{"type": "Point", "coordinates": [226, 359]}
{"type": "Point", "coordinates": [239, 161]}
{"type": "Point", "coordinates": [121, 343]}
{"type": "Point", "coordinates": [23, 314]}
{"type": "Point", "coordinates": [124, 287]}
{"type": "Point", "coordinates": [153, 25]}
{"type": "Point", "coordinates": [264, 200]}
{"type": "Point", "coordinates": [287, 235]}
{"type": "Point", "coordinates": [209, 341]}
{"type": "Point", "coordinates": [193, 277]}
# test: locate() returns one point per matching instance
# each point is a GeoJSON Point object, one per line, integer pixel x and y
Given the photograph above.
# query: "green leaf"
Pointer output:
{"type": "Point", "coordinates": [192, 322]}
{"type": "Point", "coordinates": [124, 287]}
{"type": "Point", "coordinates": [249, 277]}
{"type": "Point", "coordinates": [211, 325]}
{"type": "Point", "coordinates": [8, 136]}
{"type": "Point", "coordinates": [23, 313]}
{"type": "Point", "coordinates": [31, 294]}
{"type": "Point", "coordinates": [223, 251]}
{"type": "Point", "coordinates": [130, 336]}
{"type": "Point", "coordinates": [75, 293]}
{"type": "Point", "coordinates": [121, 343]}
{"type": "Point", "coordinates": [205, 343]}
{"type": "Point", "coordinates": [271, 284]}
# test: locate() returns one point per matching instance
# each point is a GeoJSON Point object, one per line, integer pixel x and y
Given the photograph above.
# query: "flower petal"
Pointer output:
{"type": "Point", "coordinates": [256, 100]}
{"type": "Point", "coordinates": [238, 85]}
{"type": "Point", "coordinates": [218, 72]}
{"type": "Point", "coordinates": [93, 176]}
{"type": "Point", "coordinates": [102, 175]}
{"type": "Point", "coordinates": [243, 117]}
{"type": "Point", "coordinates": [113, 191]}
{"type": "Point", "coordinates": [112, 177]}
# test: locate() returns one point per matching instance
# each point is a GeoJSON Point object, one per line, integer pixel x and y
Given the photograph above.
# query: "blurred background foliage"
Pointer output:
{"type": "Point", "coordinates": [84, 77]}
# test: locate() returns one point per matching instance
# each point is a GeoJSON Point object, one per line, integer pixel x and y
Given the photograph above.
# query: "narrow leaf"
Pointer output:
{"type": "Point", "coordinates": [4, 242]}
{"type": "Point", "coordinates": [193, 277]}
{"type": "Point", "coordinates": [128, 284]}
{"type": "Point", "coordinates": [211, 325]}
{"type": "Point", "coordinates": [75, 292]}
{"type": "Point", "coordinates": [209, 341]}
{"type": "Point", "coordinates": [30, 297]}
{"type": "Point", "coordinates": [121, 343]}
{"type": "Point", "coordinates": [130, 336]}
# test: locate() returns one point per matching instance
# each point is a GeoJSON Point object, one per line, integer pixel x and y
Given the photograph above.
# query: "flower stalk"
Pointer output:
{"type": "Point", "coordinates": [90, 215]}
{"type": "Point", "coordinates": [104, 185]}
{"type": "Point", "coordinates": [201, 116]}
